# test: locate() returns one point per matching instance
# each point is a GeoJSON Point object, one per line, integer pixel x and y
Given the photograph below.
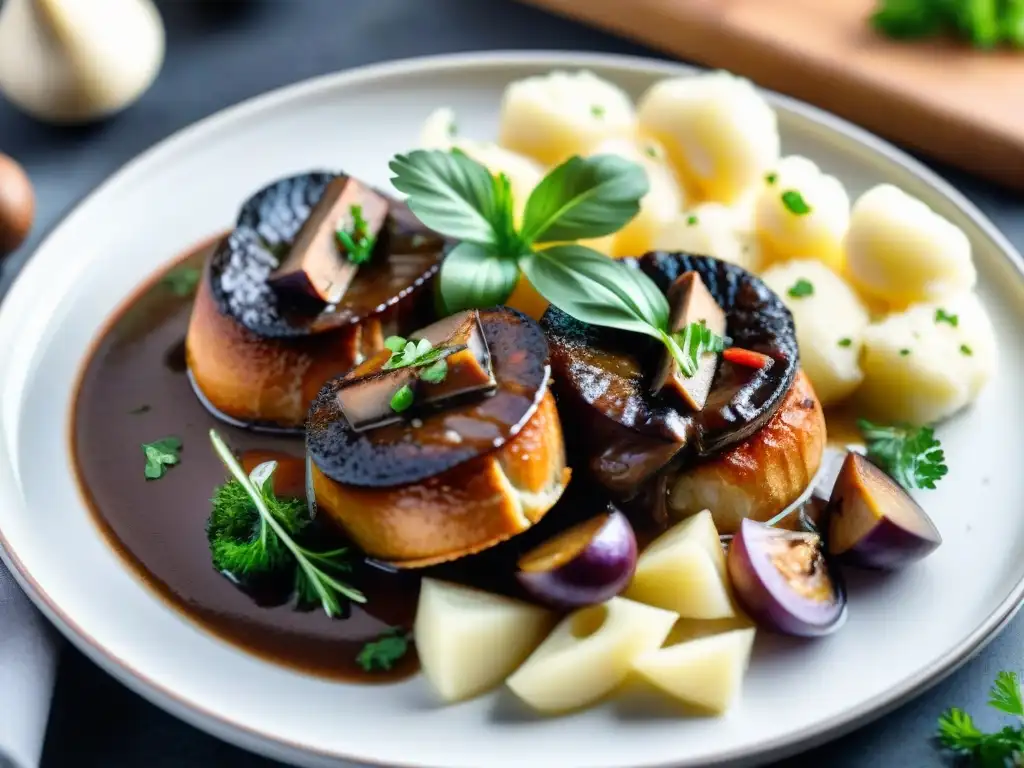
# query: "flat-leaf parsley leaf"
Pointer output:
{"type": "Point", "coordinates": [958, 733]}
{"type": "Point", "coordinates": [384, 652]}
{"type": "Point", "coordinates": [160, 455]}
{"type": "Point", "coordinates": [912, 456]}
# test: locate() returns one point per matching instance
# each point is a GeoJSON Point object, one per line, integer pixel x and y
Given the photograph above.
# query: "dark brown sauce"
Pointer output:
{"type": "Point", "coordinates": [133, 390]}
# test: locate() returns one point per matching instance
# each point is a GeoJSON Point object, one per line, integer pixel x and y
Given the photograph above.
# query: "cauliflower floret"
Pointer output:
{"type": "Point", "coordinates": [901, 252]}
{"type": "Point", "coordinates": [802, 213]}
{"type": "Point", "coordinates": [552, 117]}
{"type": "Point", "coordinates": [928, 362]}
{"type": "Point", "coordinates": [830, 322]}
{"type": "Point", "coordinates": [720, 133]}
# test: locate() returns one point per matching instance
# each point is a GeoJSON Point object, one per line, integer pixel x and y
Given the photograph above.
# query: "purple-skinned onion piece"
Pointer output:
{"type": "Point", "coordinates": [783, 581]}
{"type": "Point", "coordinates": [873, 522]}
{"type": "Point", "coordinates": [589, 563]}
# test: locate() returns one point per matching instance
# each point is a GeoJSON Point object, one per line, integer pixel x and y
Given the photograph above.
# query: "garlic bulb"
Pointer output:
{"type": "Point", "coordinates": [73, 61]}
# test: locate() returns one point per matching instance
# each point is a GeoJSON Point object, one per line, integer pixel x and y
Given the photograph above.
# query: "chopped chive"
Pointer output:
{"type": "Point", "coordinates": [942, 316]}
{"type": "Point", "coordinates": [904, 352]}
{"type": "Point", "coordinates": [845, 342]}
{"type": "Point", "coordinates": [965, 350]}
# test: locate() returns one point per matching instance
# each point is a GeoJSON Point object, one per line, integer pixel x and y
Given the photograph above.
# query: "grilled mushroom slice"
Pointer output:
{"type": "Point", "coordinates": [458, 470]}
{"type": "Point", "coordinates": [603, 380]}
{"type": "Point", "coordinates": [282, 307]}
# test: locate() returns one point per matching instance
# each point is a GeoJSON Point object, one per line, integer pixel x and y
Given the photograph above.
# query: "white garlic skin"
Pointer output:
{"type": "Point", "coordinates": [69, 61]}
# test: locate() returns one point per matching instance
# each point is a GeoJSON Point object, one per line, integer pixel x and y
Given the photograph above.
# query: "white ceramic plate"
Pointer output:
{"type": "Point", "coordinates": [904, 632]}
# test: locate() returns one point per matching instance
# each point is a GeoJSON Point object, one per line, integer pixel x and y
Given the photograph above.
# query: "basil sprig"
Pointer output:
{"type": "Point", "coordinates": [453, 194]}
{"type": "Point", "coordinates": [580, 199]}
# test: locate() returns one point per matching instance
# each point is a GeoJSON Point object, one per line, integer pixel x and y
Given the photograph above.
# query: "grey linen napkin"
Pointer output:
{"type": "Point", "coordinates": [28, 662]}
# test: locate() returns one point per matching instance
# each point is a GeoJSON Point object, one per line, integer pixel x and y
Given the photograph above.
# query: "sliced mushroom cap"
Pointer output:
{"type": "Point", "coordinates": [603, 376]}
{"type": "Point", "coordinates": [430, 440]}
{"type": "Point", "coordinates": [406, 256]}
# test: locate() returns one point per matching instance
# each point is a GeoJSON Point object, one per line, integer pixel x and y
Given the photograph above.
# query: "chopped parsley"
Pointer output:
{"type": "Point", "coordinates": [966, 350]}
{"type": "Point", "coordinates": [771, 178]}
{"type": "Point", "coordinates": [801, 288]}
{"type": "Point", "coordinates": [161, 455]}
{"type": "Point", "coordinates": [597, 111]}
{"type": "Point", "coordinates": [402, 399]}
{"type": "Point", "coordinates": [795, 202]}
{"type": "Point", "coordinates": [941, 316]}
{"type": "Point", "coordinates": [384, 652]}
{"type": "Point", "coordinates": [691, 220]}
{"type": "Point", "coordinates": [904, 352]}
{"type": "Point", "coordinates": [845, 342]}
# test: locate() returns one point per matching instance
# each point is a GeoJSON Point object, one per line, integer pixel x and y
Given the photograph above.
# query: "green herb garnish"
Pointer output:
{"type": "Point", "coordinates": [958, 733]}
{"type": "Point", "coordinates": [182, 281]}
{"type": "Point", "coordinates": [252, 533]}
{"type": "Point", "coordinates": [580, 199]}
{"type": "Point", "coordinates": [160, 456]}
{"type": "Point", "coordinates": [384, 652]}
{"type": "Point", "coordinates": [435, 373]}
{"type": "Point", "coordinates": [941, 316]}
{"type": "Point", "coordinates": [691, 220]}
{"type": "Point", "coordinates": [801, 288]}
{"type": "Point", "coordinates": [771, 178]}
{"type": "Point", "coordinates": [795, 202]}
{"type": "Point", "coordinates": [695, 340]}
{"type": "Point", "coordinates": [403, 399]}
{"type": "Point", "coordinates": [983, 23]}
{"type": "Point", "coordinates": [845, 342]}
{"type": "Point", "coordinates": [904, 352]}
{"type": "Point", "coordinates": [651, 151]}
{"type": "Point", "coordinates": [910, 455]}
{"type": "Point", "coordinates": [597, 111]}
{"type": "Point", "coordinates": [355, 239]}
{"type": "Point", "coordinates": [966, 350]}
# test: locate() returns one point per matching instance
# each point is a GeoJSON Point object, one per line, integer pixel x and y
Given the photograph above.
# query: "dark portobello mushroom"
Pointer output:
{"type": "Point", "coordinates": [446, 479]}
{"type": "Point", "coordinates": [258, 355]}
{"type": "Point", "coordinates": [602, 380]}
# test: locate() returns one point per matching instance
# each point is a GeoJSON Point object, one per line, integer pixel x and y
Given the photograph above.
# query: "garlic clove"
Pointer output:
{"type": "Point", "coordinates": [74, 61]}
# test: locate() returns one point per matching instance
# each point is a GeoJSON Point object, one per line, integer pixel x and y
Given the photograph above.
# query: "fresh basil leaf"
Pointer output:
{"type": "Point", "coordinates": [472, 277]}
{"type": "Point", "coordinates": [630, 287]}
{"type": "Point", "coordinates": [449, 192]}
{"type": "Point", "coordinates": [592, 288]}
{"type": "Point", "coordinates": [584, 198]}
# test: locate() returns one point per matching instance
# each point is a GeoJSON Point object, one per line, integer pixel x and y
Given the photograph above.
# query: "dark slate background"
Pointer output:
{"type": "Point", "coordinates": [220, 52]}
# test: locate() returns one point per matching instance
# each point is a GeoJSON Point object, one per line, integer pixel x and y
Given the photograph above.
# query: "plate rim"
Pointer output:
{"type": "Point", "coordinates": [239, 733]}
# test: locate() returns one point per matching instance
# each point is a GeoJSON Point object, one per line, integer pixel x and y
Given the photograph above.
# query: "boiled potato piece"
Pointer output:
{"type": "Point", "coordinates": [554, 116]}
{"type": "Point", "coordinates": [802, 212]}
{"type": "Point", "coordinates": [901, 252]}
{"type": "Point", "coordinates": [683, 570]}
{"type": "Point", "coordinates": [928, 362]}
{"type": "Point", "coordinates": [469, 641]}
{"type": "Point", "coordinates": [720, 133]}
{"type": "Point", "coordinates": [830, 323]}
{"type": "Point", "coordinates": [707, 673]}
{"type": "Point", "coordinates": [440, 131]}
{"type": "Point", "coordinates": [709, 229]}
{"type": "Point", "coordinates": [589, 654]}
{"type": "Point", "coordinates": [658, 207]}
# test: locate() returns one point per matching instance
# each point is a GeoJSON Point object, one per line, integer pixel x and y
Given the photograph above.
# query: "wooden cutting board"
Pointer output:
{"type": "Point", "coordinates": [941, 98]}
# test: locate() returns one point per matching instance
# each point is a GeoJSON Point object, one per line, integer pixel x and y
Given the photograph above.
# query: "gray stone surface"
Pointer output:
{"type": "Point", "coordinates": [222, 52]}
